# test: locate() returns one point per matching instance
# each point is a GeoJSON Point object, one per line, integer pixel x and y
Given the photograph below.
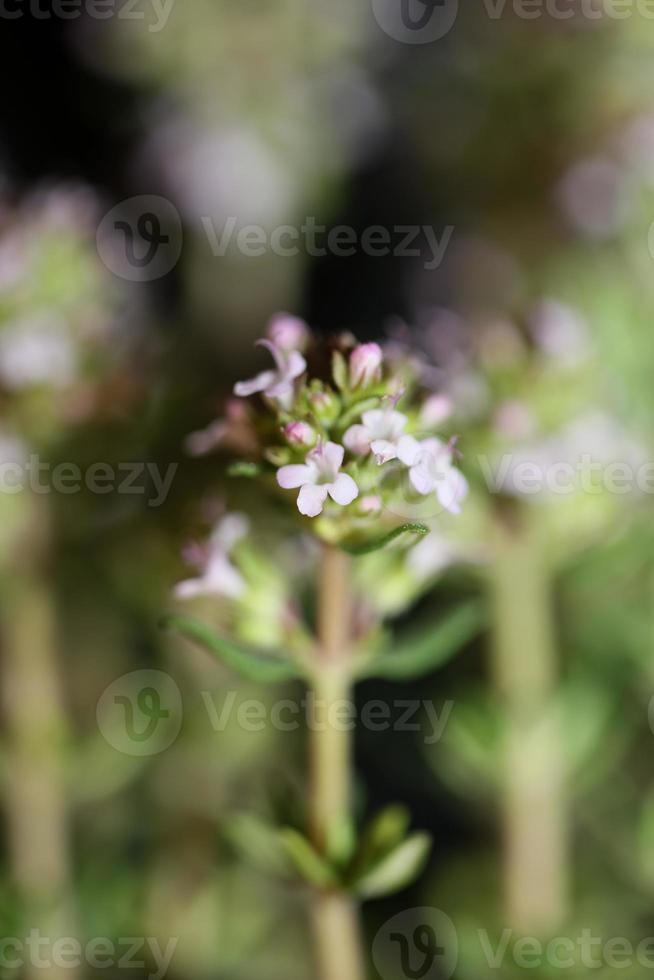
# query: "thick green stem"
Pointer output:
{"type": "Point", "coordinates": [335, 915]}
{"type": "Point", "coordinates": [525, 673]}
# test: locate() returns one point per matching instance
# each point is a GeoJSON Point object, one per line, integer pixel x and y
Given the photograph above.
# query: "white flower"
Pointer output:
{"type": "Point", "coordinates": [219, 576]}
{"type": "Point", "coordinates": [431, 470]}
{"type": "Point", "coordinates": [318, 477]}
{"type": "Point", "coordinates": [35, 352]}
{"type": "Point", "coordinates": [278, 382]}
{"type": "Point", "coordinates": [380, 430]}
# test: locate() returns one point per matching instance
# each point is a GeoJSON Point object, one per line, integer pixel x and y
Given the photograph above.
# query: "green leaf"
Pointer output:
{"type": "Point", "coordinates": [355, 411]}
{"type": "Point", "coordinates": [429, 649]}
{"type": "Point", "coordinates": [251, 664]}
{"type": "Point", "coordinates": [249, 470]}
{"type": "Point", "coordinates": [260, 844]}
{"type": "Point", "coordinates": [310, 865]}
{"type": "Point", "coordinates": [339, 371]}
{"type": "Point", "coordinates": [380, 837]}
{"type": "Point", "coordinates": [397, 869]}
{"type": "Point", "coordinates": [366, 547]}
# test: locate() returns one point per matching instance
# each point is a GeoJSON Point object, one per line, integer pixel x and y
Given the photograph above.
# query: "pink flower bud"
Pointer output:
{"type": "Point", "coordinates": [300, 434]}
{"type": "Point", "coordinates": [288, 332]}
{"type": "Point", "coordinates": [365, 365]}
{"type": "Point", "coordinates": [371, 504]}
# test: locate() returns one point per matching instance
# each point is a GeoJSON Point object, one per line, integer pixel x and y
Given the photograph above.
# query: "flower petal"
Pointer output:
{"type": "Point", "coordinates": [334, 455]}
{"type": "Point", "coordinates": [311, 499]}
{"type": "Point", "coordinates": [295, 365]}
{"type": "Point", "coordinates": [383, 450]}
{"type": "Point", "coordinates": [343, 490]}
{"type": "Point", "coordinates": [295, 475]}
{"type": "Point", "coordinates": [451, 489]}
{"type": "Point", "coordinates": [357, 439]}
{"type": "Point", "coordinates": [259, 383]}
{"type": "Point", "coordinates": [230, 530]}
{"type": "Point", "coordinates": [408, 450]}
{"type": "Point", "coordinates": [422, 479]}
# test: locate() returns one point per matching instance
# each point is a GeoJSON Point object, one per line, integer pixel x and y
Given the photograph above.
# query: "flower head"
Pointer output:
{"type": "Point", "coordinates": [365, 365]}
{"type": "Point", "coordinates": [219, 576]}
{"type": "Point", "coordinates": [319, 477]}
{"type": "Point", "coordinates": [379, 431]}
{"type": "Point", "coordinates": [276, 383]}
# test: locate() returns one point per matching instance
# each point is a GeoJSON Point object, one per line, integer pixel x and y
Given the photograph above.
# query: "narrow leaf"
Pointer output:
{"type": "Point", "coordinates": [244, 469]}
{"type": "Point", "coordinates": [251, 664]}
{"type": "Point", "coordinates": [366, 547]}
{"type": "Point", "coordinates": [397, 870]}
{"type": "Point", "coordinates": [429, 649]}
{"type": "Point", "coordinates": [355, 411]}
{"type": "Point", "coordinates": [260, 844]}
{"type": "Point", "coordinates": [310, 865]}
{"type": "Point", "coordinates": [380, 837]}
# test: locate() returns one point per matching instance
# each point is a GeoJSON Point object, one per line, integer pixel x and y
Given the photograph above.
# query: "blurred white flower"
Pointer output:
{"type": "Point", "coordinates": [219, 576]}
{"type": "Point", "coordinates": [36, 351]}
{"type": "Point", "coordinates": [560, 331]}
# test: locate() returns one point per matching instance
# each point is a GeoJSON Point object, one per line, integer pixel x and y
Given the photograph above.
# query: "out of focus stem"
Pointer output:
{"type": "Point", "coordinates": [36, 796]}
{"type": "Point", "coordinates": [525, 672]}
{"type": "Point", "coordinates": [335, 914]}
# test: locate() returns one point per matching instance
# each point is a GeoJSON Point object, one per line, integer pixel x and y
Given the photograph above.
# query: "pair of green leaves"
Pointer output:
{"type": "Point", "coordinates": [385, 860]}
{"type": "Point", "coordinates": [414, 656]}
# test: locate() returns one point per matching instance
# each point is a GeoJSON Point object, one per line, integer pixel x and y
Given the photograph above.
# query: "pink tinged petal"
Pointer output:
{"type": "Point", "coordinates": [296, 475]}
{"type": "Point", "coordinates": [287, 331]}
{"type": "Point", "coordinates": [343, 490]}
{"type": "Point", "coordinates": [281, 392]}
{"type": "Point", "coordinates": [223, 579]}
{"type": "Point", "coordinates": [190, 588]}
{"type": "Point", "coordinates": [311, 499]}
{"type": "Point", "coordinates": [383, 450]}
{"type": "Point", "coordinates": [232, 529]}
{"type": "Point", "coordinates": [451, 490]}
{"type": "Point", "coordinates": [357, 439]}
{"type": "Point", "coordinates": [374, 419]}
{"type": "Point", "coordinates": [422, 479]}
{"type": "Point", "coordinates": [202, 442]}
{"type": "Point", "coordinates": [408, 450]}
{"type": "Point", "coordinates": [334, 455]}
{"type": "Point", "coordinates": [262, 381]}
{"type": "Point", "coordinates": [295, 365]}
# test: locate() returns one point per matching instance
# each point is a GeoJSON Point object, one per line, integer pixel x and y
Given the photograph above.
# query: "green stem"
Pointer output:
{"type": "Point", "coordinates": [335, 914]}
{"type": "Point", "coordinates": [525, 674]}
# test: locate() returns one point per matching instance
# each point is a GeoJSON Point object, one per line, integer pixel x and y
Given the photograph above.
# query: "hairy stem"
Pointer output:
{"type": "Point", "coordinates": [525, 669]}
{"type": "Point", "coordinates": [335, 915]}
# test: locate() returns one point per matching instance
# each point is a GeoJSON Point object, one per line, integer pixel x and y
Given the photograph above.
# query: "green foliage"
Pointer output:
{"type": "Point", "coordinates": [376, 544]}
{"type": "Point", "coordinates": [429, 649]}
{"type": "Point", "coordinates": [250, 664]}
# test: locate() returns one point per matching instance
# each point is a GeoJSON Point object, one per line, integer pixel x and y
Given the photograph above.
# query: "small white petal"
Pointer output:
{"type": "Point", "coordinates": [295, 475]}
{"type": "Point", "coordinates": [422, 480]}
{"type": "Point", "coordinates": [357, 439]}
{"type": "Point", "coordinates": [334, 455]}
{"type": "Point", "coordinates": [311, 499]}
{"type": "Point", "coordinates": [408, 450]}
{"type": "Point", "coordinates": [343, 490]}
{"type": "Point", "coordinates": [259, 383]}
{"type": "Point", "coordinates": [383, 450]}
{"type": "Point", "coordinates": [232, 529]}
{"type": "Point", "coordinates": [451, 490]}
{"type": "Point", "coordinates": [296, 365]}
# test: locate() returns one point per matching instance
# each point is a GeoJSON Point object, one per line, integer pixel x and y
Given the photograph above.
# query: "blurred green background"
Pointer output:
{"type": "Point", "coordinates": [525, 140]}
